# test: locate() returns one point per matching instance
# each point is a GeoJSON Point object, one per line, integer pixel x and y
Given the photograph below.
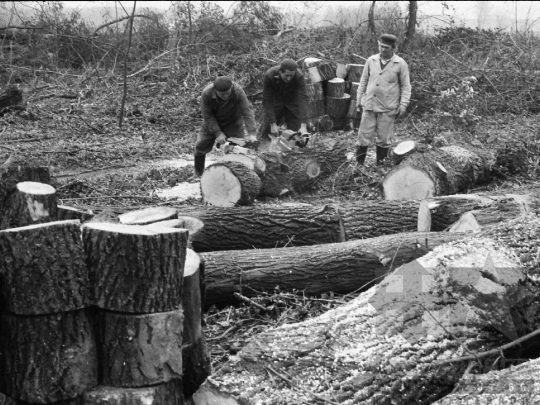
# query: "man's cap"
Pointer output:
{"type": "Point", "coordinates": [222, 83]}
{"type": "Point", "coordinates": [388, 39]}
{"type": "Point", "coordinates": [289, 64]}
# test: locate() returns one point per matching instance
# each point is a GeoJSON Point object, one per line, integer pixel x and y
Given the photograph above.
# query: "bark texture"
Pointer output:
{"type": "Point", "coordinates": [354, 73]}
{"type": "Point", "coordinates": [42, 269]}
{"type": "Point", "coordinates": [134, 268]}
{"type": "Point", "coordinates": [338, 107]}
{"type": "Point", "coordinates": [335, 88]}
{"type": "Point", "coordinates": [141, 350]}
{"type": "Point", "coordinates": [338, 267]}
{"type": "Point", "coordinates": [169, 393]}
{"type": "Point", "coordinates": [373, 351]}
{"type": "Point", "coordinates": [47, 358]}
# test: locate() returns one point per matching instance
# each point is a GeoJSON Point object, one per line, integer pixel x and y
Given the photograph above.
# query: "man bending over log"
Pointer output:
{"type": "Point", "coordinates": [226, 110]}
{"type": "Point", "coordinates": [384, 94]}
{"type": "Point", "coordinates": [284, 97]}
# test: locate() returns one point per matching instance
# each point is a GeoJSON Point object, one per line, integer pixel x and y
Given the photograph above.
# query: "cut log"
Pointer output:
{"type": "Point", "coordinates": [169, 393]}
{"type": "Point", "coordinates": [321, 72]}
{"type": "Point", "coordinates": [404, 148]}
{"type": "Point", "coordinates": [338, 107]}
{"type": "Point", "coordinates": [315, 108]}
{"type": "Point", "coordinates": [304, 173]}
{"type": "Point", "coordinates": [42, 269]}
{"type": "Point", "coordinates": [47, 358]}
{"type": "Point", "coordinates": [147, 215]}
{"type": "Point", "coordinates": [195, 358]}
{"type": "Point", "coordinates": [424, 217]}
{"type": "Point", "coordinates": [32, 203]}
{"type": "Point", "coordinates": [353, 91]}
{"type": "Point", "coordinates": [9, 96]}
{"type": "Point", "coordinates": [209, 394]}
{"type": "Point", "coordinates": [341, 70]}
{"type": "Point", "coordinates": [227, 184]}
{"type": "Point", "coordinates": [338, 267]}
{"type": "Point", "coordinates": [467, 223]}
{"type": "Point", "coordinates": [66, 213]}
{"type": "Point", "coordinates": [252, 162]}
{"type": "Point", "coordinates": [315, 91]}
{"type": "Point", "coordinates": [354, 72]}
{"type": "Point", "coordinates": [445, 171]}
{"type": "Point", "coordinates": [276, 180]}
{"type": "Point", "coordinates": [193, 225]}
{"type": "Point", "coordinates": [311, 62]}
{"type": "Point", "coordinates": [384, 346]}
{"type": "Point", "coordinates": [141, 350]}
{"type": "Point", "coordinates": [335, 88]}
{"type": "Point", "coordinates": [134, 268]}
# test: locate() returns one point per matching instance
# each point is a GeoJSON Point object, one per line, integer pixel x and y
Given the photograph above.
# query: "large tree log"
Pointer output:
{"type": "Point", "coordinates": [140, 350]}
{"type": "Point", "coordinates": [31, 203]}
{"type": "Point", "coordinates": [444, 171]}
{"type": "Point", "coordinates": [335, 88]}
{"type": "Point", "coordinates": [354, 72]}
{"type": "Point", "coordinates": [134, 268]}
{"type": "Point", "coordinates": [169, 393]}
{"type": "Point", "coordinates": [381, 347]}
{"type": "Point", "coordinates": [337, 107]}
{"type": "Point", "coordinates": [227, 184]}
{"type": "Point", "coordinates": [42, 269]}
{"type": "Point", "coordinates": [338, 267]}
{"type": "Point", "coordinates": [47, 358]}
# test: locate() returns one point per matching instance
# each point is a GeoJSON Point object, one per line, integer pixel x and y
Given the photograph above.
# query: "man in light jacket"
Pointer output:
{"type": "Point", "coordinates": [384, 94]}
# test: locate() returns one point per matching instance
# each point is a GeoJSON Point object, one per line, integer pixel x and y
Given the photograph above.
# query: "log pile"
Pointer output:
{"type": "Point", "coordinates": [106, 311]}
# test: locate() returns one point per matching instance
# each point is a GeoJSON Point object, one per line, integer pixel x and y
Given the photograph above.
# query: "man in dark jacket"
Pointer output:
{"type": "Point", "coordinates": [284, 97]}
{"type": "Point", "coordinates": [226, 111]}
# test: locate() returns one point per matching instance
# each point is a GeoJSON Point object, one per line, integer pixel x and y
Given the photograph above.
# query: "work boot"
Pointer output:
{"type": "Point", "coordinates": [361, 153]}
{"type": "Point", "coordinates": [199, 165]}
{"type": "Point", "coordinates": [382, 153]}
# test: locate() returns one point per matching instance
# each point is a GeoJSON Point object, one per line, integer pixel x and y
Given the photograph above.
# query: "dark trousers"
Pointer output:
{"type": "Point", "coordinates": [289, 114]}
{"type": "Point", "coordinates": [206, 139]}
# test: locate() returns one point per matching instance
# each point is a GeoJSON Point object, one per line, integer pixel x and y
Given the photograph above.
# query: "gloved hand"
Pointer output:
{"type": "Point", "coordinates": [221, 139]}
{"type": "Point", "coordinates": [303, 130]}
{"type": "Point", "coordinates": [274, 129]}
{"type": "Point", "coordinates": [401, 111]}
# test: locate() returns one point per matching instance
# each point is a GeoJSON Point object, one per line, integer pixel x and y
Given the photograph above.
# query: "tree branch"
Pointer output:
{"type": "Point", "coordinates": [122, 19]}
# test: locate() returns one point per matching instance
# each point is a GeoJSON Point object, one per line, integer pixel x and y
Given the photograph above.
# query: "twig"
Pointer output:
{"type": "Point", "coordinates": [27, 139]}
{"type": "Point", "coordinates": [94, 170]}
{"type": "Point", "coordinates": [107, 196]}
{"type": "Point", "coordinates": [269, 368]}
{"type": "Point", "coordinates": [475, 356]}
{"type": "Point", "coordinates": [7, 147]}
{"type": "Point", "coordinates": [250, 302]}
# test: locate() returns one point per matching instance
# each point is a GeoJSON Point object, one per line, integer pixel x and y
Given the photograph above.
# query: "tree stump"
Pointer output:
{"type": "Point", "coordinates": [196, 360]}
{"type": "Point", "coordinates": [227, 184]}
{"type": "Point", "coordinates": [338, 107]}
{"type": "Point", "coordinates": [42, 269]}
{"type": "Point", "coordinates": [162, 394]}
{"type": "Point", "coordinates": [141, 350]}
{"type": "Point", "coordinates": [47, 358]}
{"type": "Point", "coordinates": [147, 215]}
{"type": "Point", "coordinates": [335, 88]}
{"type": "Point", "coordinates": [134, 268]}
{"type": "Point", "coordinates": [403, 150]}
{"type": "Point", "coordinates": [14, 174]}
{"type": "Point", "coordinates": [354, 72]}
{"type": "Point", "coordinates": [31, 203]}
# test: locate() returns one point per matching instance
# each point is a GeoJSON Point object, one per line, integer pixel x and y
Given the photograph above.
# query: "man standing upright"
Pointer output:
{"type": "Point", "coordinates": [384, 94]}
{"type": "Point", "coordinates": [226, 110]}
{"type": "Point", "coordinates": [284, 97]}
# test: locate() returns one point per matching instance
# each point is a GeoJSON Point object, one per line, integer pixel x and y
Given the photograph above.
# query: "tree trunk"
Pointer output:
{"type": "Point", "coordinates": [10, 177]}
{"type": "Point", "coordinates": [162, 394]}
{"type": "Point", "coordinates": [338, 267]}
{"type": "Point", "coordinates": [134, 268]}
{"type": "Point", "coordinates": [43, 269]}
{"type": "Point", "coordinates": [411, 25]}
{"type": "Point", "coordinates": [335, 88]}
{"type": "Point", "coordinates": [315, 108]}
{"type": "Point", "coordinates": [140, 350]}
{"type": "Point", "coordinates": [338, 107]}
{"type": "Point", "coordinates": [371, 19]}
{"type": "Point", "coordinates": [32, 203]}
{"type": "Point", "coordinates": [9, 96]}
{"type": "Point", "coordinates": [445, 171]}
{"type": "Point", "coordinates": [315, 91]}
{"type": "Point", "coordinates": [227, 184]}
{"type": "Point", "coordinates": [47, 358]}
{"type": "Point", "coordinates": [383, 346]}
{"type": "Point", "coordinates": [354, 73]}
{"type": "Point", "coordinates": [195, 358]}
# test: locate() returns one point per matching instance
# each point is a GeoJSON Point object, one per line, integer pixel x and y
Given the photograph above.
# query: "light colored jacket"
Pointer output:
{"type": "Point", "coordinates": [384, 90]}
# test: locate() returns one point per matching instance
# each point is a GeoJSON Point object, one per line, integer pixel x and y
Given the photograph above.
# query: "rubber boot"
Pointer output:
{"type": "Point", "coordinates": [361, 153]}
{"type": "Point", "coordinates": [382, 153]}
{"type": "Point", "coordinates": [199, 165]}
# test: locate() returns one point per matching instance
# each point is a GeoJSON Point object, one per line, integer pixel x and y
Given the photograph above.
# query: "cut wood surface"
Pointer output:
{"type": "Point", "coordinates": [382, 346]}
{"type": "Point", "coordinates": [321, 72]}
{"type": "Point", "coordinates": [47, 358]}
{"type": "Point", "coordinates": [252, 162]}
{"type": "Point", "coordinates": [443, 171]}
{"type": "Point", "coordinates": [140, 350]}
{"type": "Point", "coordinates": [227, 184]}
{"type": "Point", "coordinates": [335, 88]}
{"type": "Point", "coordinates": [135, 268]}
{"type": "Point", "coordinates": [147, 215]}
{"type": "Point", "coordinates": [169, 393]}
{"type": "Point", "coordinates": [31, 203]}
{"type": "Point", "coordinates": [66, 213]}
{"type": "Point", "coordinates": [193, 225]}
{"type": "Point", "coordinates": [14, 174]}
{"type": "Point", "coordinates": [43, 269]}
{"type": "Point", "coordinates": [402, 150]}
{"type": "Point", "coordinates": [338, 267]}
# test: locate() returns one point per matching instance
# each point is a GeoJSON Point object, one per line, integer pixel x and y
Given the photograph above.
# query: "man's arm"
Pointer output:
{"type": "Point", "coordinates": [268, 100]}
{"type": "Point", "coordinates": [405, 85]}
{"type": "Point", "coordinates": [363, 84]}
{"type": "Point", "coordinates": [208, 115]}
{"type": "Point", "coordinates": [247, 112]}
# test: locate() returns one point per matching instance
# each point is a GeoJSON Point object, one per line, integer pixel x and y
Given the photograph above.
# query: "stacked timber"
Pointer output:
{"type": "Point", "coordinates": [354, 72]}
{"type": "Point", "coordinates": [353, 115]}
{"type": "Point", "coordinates": [315, 106]}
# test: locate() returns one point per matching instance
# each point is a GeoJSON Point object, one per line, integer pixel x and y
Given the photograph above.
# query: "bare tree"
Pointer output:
{"type": "Point", "coordinates": [371, 19]}
{"type": "Point", "coordinates": [482, 9]}
{"type": "Point", "coordinates": [411, 25]}
{"type": "Point", "coordinates": [121, 117]}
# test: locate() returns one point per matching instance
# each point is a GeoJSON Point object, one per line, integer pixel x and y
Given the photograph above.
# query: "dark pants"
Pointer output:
{"type": "Point", "coordinates": [206, 139]}
{"type": "Point", "coordinates": [289, 114]}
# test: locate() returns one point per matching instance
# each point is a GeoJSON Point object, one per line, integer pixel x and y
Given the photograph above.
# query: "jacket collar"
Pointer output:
{"type": "Point", "coordinates": [394, 58]}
